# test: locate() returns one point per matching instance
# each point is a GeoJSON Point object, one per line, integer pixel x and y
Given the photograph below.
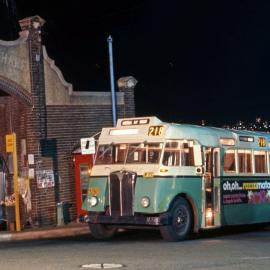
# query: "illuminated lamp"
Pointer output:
{"type": "Point", "coordinates": [93, 201]}
{"type": "Point", "coordinates": [131, 131]}
{"type": "Point", "coordinates": [209, 217]}
{"type": "Point", "coordinates": [145, 202]}
{"type": "Point", "coordinates": [227, 141]}
{"type": "Point", "coordinates": [246, 139]}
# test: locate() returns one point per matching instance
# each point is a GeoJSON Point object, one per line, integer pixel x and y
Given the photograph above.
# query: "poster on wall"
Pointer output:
{"type": "Point", "coordinates": [245, 191]}
{"type": "Point", "coordinates": [45, 178]}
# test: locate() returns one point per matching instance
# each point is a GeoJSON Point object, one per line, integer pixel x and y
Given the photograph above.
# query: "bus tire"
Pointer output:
{"type": "Point", "coordinates": [101, 231]}
{"type": "Point", "coordinates": [181, 221]}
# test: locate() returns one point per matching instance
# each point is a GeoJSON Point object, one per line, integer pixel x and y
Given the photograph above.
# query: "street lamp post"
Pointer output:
{"type": "Point", "coordinates": [110, 40]}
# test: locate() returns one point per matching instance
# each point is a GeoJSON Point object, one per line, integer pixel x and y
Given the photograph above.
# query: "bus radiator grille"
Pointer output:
{"type": "Point", "coordinates": [121, 195]}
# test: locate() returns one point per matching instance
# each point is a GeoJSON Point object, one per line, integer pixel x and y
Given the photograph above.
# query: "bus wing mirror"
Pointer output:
{"type": "Point", "coordinates": [197, 155]}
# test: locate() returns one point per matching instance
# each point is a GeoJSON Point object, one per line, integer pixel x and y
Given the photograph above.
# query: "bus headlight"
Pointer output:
{"type": "Point", "coordinates": [93, 201]}
{"type": "Point", "coordinates": [145, 202]}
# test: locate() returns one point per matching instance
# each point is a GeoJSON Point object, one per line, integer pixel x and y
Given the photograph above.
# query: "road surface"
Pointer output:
{"type": "Point", "coordinates": [238, 248]}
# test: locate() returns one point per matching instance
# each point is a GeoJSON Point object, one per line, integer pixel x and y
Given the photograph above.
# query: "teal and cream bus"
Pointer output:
{"type": "Point", "coordinates": [178, 178]}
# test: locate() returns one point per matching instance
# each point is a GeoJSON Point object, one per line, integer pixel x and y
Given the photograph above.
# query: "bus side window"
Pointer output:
{"type": "Point", "coordinates": [178, 153]}
{"type": "Point", "coordinates": [244, 161]}
{"type": "Point", "coordinates": [153, 156]}
{"type": "Point", "coordinates": [171, 158]}
{"type": "Point", "coordinates": [187, 156]}
{"type": "Point", "coordinates": [260, 162]}
{"type": "Point", "coordinates": [229, 161]}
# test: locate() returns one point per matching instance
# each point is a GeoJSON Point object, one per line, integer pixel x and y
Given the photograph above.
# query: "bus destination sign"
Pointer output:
{"type": "Point", "coordinates": [133, 122]}
{"type": "Point", "coordinates": [155, 130]}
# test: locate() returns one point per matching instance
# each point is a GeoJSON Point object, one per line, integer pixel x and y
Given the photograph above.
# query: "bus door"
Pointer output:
{"type": "Point", "coordinates": [211, 181]}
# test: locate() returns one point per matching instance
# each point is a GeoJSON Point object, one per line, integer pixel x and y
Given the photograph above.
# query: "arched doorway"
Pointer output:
{"type": "Point", "coordinates": [15, 104]}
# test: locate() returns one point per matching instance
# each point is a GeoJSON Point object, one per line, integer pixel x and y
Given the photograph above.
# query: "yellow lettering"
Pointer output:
{"type": "Point", "coordinates": [94, 191]}
{"type": "Point", "coordinates": [148, 175]}
{"type": "Point", "coordinates": [249, 185]}
{"type": "Point", "coordinates": [155, 130]}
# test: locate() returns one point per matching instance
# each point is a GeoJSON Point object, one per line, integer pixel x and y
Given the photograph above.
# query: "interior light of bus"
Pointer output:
{"type": "Point", "coordinates": [209, 213]}
{"type": "Point", "coordinates": [123, 146]}
{"type": "Point", "coordinates": [246, 139]}
{"type": "Point", "coordinates": [132, 131]}
{"type": "Point", "coordinates": [227, 141]}
{"type": "Point", "coordinates": [209, 217]}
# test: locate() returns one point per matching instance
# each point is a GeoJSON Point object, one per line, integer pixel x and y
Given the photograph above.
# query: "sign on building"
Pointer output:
{"type": "Point", "coordinates": [88, 146]}
{"type": "Point", "coordinates": [45, 179]}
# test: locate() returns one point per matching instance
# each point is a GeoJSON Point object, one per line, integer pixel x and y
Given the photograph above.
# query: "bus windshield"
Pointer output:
{"type": "Point", "coordinates": [134, 153]}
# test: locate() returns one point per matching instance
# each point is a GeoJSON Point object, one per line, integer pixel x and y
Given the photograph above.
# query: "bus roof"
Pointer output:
{"type": "Point", "coordinates": [137, 130]}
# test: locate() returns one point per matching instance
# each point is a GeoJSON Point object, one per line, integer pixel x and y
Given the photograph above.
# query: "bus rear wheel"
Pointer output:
{"type": "Point", "coordinates": [181, 221]}
{"type": "Point", "coordinates": [101, 231]}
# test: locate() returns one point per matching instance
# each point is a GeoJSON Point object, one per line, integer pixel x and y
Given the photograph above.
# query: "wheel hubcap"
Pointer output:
{"type": "Point", "coordinates": [180, 220]}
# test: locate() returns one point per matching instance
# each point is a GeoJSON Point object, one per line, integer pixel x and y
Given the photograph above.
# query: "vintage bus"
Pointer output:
{"type": "Point", "coordinates": [178, 178]}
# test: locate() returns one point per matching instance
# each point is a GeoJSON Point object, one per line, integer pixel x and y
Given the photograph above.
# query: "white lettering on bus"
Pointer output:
{"type": "Point", "coordinates": [231, 186]}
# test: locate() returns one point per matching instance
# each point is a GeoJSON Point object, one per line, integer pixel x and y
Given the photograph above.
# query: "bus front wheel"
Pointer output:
{"type": "Point", "coordinates": [181, 221]}
{"type": "Point", "coordinates": [101, 231]}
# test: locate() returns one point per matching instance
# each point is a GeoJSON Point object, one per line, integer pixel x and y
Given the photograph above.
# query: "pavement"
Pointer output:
{"type": "Point", "coordinates": [71, 229]}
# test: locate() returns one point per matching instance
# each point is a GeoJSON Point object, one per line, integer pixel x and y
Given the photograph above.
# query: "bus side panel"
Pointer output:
{"type": "Point", "coordinates": [162, 190]}
{"type": "Point", "coordinates": [245, 214]}
{"type": "Point", "coordinates": [245, 200]}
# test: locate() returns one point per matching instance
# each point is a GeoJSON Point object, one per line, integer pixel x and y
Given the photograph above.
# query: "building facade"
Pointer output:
{"type": "Point", "coordinates": [49, 118]}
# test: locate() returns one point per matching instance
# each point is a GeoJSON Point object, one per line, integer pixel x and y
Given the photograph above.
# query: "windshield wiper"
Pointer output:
{"type": "Point", "coordinates": [105, 151]}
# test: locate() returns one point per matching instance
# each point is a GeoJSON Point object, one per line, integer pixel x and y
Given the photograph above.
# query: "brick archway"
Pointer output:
{"type": "Point", "coordinates": [15, 90]}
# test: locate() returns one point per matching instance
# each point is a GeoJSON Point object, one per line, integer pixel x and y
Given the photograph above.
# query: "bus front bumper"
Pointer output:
{"type": "Point", "coordinates": [94, 218]}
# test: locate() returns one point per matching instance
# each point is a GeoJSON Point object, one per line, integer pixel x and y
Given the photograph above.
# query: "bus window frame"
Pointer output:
{"type": "Point", "coordinates": [251, 160]}
{"type": "Point", "coordinates": [235, 172]}
{"type": "Point", "coordinates": [253, 171]}
{"type": "Point", "coordinates": [191, 144]}
{"type": "Point", "coordinates": [266, 162]}
{"type": "Point", "coordinates": [147, 150]}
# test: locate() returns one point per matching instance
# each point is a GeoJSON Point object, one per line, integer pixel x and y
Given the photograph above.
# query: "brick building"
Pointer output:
{"type": "Point", "coordinates": [48, 118]}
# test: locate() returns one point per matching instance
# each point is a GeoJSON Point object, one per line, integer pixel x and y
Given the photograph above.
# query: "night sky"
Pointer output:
{"type": "Point", "coordinates": [193, 60]}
